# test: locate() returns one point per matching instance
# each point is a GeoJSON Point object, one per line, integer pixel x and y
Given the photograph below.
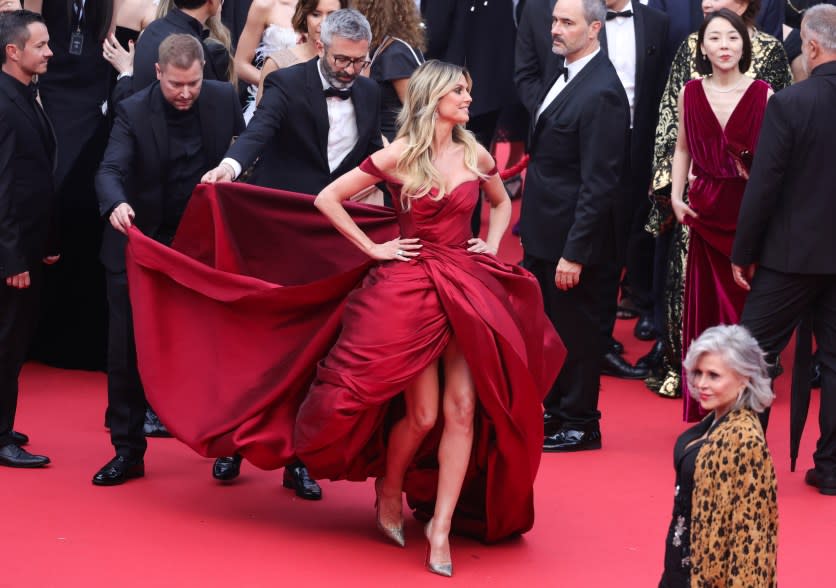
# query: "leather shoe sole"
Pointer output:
{"type": "Point", "coordinates": [825, 484]}
{"type": "Point", "coordinates": [118, 471]}
{"type": "Point", "coordinates": [227, 468]}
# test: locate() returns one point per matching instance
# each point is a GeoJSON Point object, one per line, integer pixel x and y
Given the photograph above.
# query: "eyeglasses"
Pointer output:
{"type": "Point", "coordinates": [359, 63]}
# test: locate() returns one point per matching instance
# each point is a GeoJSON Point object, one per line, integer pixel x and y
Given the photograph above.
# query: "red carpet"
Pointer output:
{"type": "Point", "coordinates": [601, 516]}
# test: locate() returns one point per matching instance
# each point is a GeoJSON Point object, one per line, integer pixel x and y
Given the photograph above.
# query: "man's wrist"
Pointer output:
{"type": "Point", "coordinates": [125, 74]}
{"type": "Point", "coordinates": [233, 166]}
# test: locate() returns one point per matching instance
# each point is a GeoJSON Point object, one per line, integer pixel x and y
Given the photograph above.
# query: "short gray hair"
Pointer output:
{"type": "Point", "coordinates": [346, 23]}
{"type": "Point", "coordinates": [594, 10]}
{"type": "Point", "coordinates": [742, 354]}
{"type": "Point", "coordinates": [820, 24]}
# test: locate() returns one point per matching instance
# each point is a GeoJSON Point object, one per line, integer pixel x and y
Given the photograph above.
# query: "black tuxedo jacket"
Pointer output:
{"type": "Point", "coordinates": [572, 203]}
{"type": "Point", "coordinates": [534, 60]}
{"type": "Point", "coordinates": [289, 131]}
{"type": "Point", "coordinates": [651, 28]}
{"type": "Point", "coordinates": [787, 216]}
{"type": "Point", "coordinates": [27, 189]}
{"type": "Point", "coordinates": [686, 17]}
{"type": "Point", "coordinates": [135, 163]}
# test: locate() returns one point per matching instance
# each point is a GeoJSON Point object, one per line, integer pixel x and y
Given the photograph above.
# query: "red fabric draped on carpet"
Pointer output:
{"type": "Point", "coordinates": [232, 321]}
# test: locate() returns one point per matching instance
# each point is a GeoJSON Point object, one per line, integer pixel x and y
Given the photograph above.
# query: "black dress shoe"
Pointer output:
{"type": "Point", "coordinates": [551, 424]}
{"type": "Point", "coordinates": [614, 365]}
{"type": "Point", "coordinates": [654, 358]}
{"type": "Point", "coordinates": [227, 468]}
{"type": "Point", "coordinates": [119, 470]}
{"type": "Point", "coordinates": [13, 456]}
{"type": "Point", "coordinates": [19, 439]}
{"type": "Point", "coordinates": [572, 440]}
{"type": "Point", "coordinates": [296, 478]}
{"type": "Point", "coordinates": [644, 329]}
{"type": "Point", "coordinates": [152, 426]}
{"type": "Point", "coordinates": [825, 484]}
{"type": "Point", "coordinates": [616, 346]}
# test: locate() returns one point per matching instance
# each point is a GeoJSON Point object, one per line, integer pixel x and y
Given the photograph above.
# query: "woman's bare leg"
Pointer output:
{"type": "Point", "coordinates": [406, 436]}
{"type": "Point", "coordinates": [459, 402]}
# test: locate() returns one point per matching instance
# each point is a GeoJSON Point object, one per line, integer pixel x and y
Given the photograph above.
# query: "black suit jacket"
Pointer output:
{"type": "Point", "coordinates": [27, 190]}
{"type": "Point", "coordinates": [289, 131]}
{"type": "Point", "coordinates": [534, 60]}
{"type": "Point", "coordinates": [134, 167]}
{"type": "Point", "coordinates": [686, 17]}
{"type": "Point", "coordinates": [578, 151]}
{"type": "Point", "coordinates": [651, 27]}
{"type": "Point", "coordinates": [148, 46]}
{"type": "Point", "coordinates": [787, 216]}
{"type": "Point", "coordinates": [480, 36]}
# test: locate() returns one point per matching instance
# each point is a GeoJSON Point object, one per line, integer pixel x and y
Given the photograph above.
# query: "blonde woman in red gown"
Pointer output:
{"type": "Point", "coordinates": [438, 300]}
{"type": "Point", "coordinates": [720, 118]}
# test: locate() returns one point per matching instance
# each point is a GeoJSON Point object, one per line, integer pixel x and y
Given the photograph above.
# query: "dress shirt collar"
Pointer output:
{"type": "Point", "coordinates": [576, 66]}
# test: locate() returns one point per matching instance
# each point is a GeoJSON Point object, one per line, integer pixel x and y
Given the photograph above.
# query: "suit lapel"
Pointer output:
{"type": "Point", "coordinates": [641, 49]}
{"type": "Point", "coordinates": [319, 110]}
{"type": "Point", "coordinates": [564, 95]}
{"type": "Point", "coordinates": [543, 93]}
{"type": "Point", "coordinates": [159, 128]}
{"type": "Point", "coordinates": [50, 151]}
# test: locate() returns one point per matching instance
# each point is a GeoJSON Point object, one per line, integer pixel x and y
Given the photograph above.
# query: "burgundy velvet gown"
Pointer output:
{"type": "Point", "coordinates": [310, 358]}
{"type": "Point", "coordinates": [711, 296]}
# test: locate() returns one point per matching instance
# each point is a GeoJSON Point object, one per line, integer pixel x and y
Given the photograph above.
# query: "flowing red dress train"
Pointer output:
{"type": "Point", "coordinates": [264, 331]}
{"type": "Point", "coordinates": [711, 295]}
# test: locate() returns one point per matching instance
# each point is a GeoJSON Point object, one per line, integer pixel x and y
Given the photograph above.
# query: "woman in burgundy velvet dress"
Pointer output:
{"type": "Point", "coordinates": [720, 118]}
{"type": "Point", "coordinates": [465, 451]}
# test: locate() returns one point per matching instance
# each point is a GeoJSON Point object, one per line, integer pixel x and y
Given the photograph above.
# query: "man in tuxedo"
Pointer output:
{"type": "Point", "coordinates": [163, 140]}
{"type": "Point", "coordinates": [316, 121]}
{"type": "Point", "coordinates": [578, 147]}
{"type": "Point", "coordinates": [634, 37]}
{"type": "Point", "coordinates": [27, 165]}
{"type": "Point", "coordinates": [784, 244]}
{"type": "Point", "coordinates": [687, 16]}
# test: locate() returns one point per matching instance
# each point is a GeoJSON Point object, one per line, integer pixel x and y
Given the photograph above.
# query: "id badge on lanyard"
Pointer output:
{"type": "Point", "coordinates": [77, 37]}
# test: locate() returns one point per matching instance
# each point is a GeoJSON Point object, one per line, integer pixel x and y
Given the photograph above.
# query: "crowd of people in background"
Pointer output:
{"type": "Point", "coordinates": [677, 174]}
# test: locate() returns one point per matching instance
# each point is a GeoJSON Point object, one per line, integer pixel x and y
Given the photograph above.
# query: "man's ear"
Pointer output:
{"type": "Point", "coordinates": [159, 71]}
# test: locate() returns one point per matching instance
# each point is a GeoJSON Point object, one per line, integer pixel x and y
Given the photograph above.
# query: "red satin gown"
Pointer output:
{"type": "Point", "coordinates": [711, 295]}
{"type": "Point", "coordinates": [317, 369]}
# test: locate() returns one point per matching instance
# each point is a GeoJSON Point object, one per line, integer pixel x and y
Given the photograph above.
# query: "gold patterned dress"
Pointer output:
{"type": "Point", "coordinates": [769, 63]}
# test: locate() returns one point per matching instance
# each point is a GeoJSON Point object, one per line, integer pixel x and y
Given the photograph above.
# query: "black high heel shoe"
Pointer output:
{"type": "Point", "coordinates": [442, 569]}
{"type": "Point", "coordinates": [393, 533]}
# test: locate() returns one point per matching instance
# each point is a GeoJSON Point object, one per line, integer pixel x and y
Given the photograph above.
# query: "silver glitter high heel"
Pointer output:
{"type": "Point", "coordinates": [393, 533]}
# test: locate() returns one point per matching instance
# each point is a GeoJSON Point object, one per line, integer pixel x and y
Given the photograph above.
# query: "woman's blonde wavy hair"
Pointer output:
{"type": "Point", "coordinates": [429, 84]}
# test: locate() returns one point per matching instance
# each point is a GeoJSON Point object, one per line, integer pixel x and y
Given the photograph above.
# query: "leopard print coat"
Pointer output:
{"type": "Point", "coordinates": [734, 514]}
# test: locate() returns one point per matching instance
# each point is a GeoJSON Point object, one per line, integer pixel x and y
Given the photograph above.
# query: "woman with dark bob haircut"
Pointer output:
{"type": "Point", "coordinates": [725, 516]}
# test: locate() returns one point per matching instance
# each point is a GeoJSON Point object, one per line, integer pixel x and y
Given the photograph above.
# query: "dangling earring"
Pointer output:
{"type": "Point", "coordinates": [704, 58]}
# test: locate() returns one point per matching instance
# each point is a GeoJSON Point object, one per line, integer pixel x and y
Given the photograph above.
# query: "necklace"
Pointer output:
{"type": "Point", "coordinates": [714, 87]}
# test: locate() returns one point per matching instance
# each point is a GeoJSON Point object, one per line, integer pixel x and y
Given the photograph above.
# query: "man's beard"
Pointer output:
{"type": "Point", "coordinates": [331, 76]}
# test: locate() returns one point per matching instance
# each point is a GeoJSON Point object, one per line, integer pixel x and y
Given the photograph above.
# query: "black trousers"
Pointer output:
{"type": "Point", "coordinates": [19, 309]}
{"type": "Point", "coordinates": [638, 278]}
{"type": "Point", "coordinates": [575, 315]}
{"type": "Point", "coordinates": [125, 395]}
{"type": "Point", "coordinates": [773, 309]}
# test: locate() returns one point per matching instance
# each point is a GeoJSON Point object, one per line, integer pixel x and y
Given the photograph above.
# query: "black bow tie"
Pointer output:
{"type": "Point", "coordinates": [625, 13]}
{"type": "Point", "coordinates": [342, 94]}
{"type": "Point", "coordinates": [563, 71]}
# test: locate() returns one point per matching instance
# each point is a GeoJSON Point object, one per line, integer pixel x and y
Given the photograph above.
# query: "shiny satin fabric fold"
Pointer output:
{"type": "Point", "coordinates": [260, 297]}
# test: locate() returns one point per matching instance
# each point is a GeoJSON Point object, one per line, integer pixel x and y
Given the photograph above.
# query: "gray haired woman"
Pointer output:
{"type": "Point", "coordinates": [725, 515]}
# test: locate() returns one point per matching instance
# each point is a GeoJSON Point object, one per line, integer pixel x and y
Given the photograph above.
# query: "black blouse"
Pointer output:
{"type": "Point", "coordinates": [395, 62]}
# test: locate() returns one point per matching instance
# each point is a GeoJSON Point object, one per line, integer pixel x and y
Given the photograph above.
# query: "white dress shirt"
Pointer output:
{"type": "Point", "coordinates": [574, 69]}
{"type": "Point", "coordinates": [342, 130]}
{"type": "Point", "coordinates": [621, 47]}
